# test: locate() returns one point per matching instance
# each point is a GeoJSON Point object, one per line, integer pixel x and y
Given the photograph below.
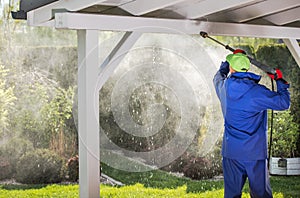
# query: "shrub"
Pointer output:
{"type": "Point", "coordinates": [198, 168]}
{"type": "Point", "coordinates": [73, 169]}
{"type": "Point", "coordinates": [178, 164]}
{"type": "Point", "coordinates": [5, 169]}
{"type": "Point", "coordinates": [215, 158]}
{"type": "Point", "coordinates": [10, 153]}
{"type": "Point", "coordinates": [39, 167]}
{"type": "Point", "coordinates": [285, 135]}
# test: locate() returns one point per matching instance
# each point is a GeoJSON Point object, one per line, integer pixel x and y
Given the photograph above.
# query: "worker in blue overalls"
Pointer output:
{"type": "Point", "coordinates": [244, 105]}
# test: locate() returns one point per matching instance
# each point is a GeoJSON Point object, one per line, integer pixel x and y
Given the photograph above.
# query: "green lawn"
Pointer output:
{"type": "Point", "coordinates": [153, 186]}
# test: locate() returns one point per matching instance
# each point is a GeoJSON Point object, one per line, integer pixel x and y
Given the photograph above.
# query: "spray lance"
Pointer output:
{"type": "Point", "coordinates": [263, 67]}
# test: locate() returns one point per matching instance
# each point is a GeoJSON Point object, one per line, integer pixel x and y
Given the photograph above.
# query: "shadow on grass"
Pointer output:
{"type": "Point", "coordinates": [161, 180]}
{"type": "Point", "coordinates": [289, 186]}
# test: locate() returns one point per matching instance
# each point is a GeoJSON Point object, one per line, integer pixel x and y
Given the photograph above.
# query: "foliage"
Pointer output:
{"type": "Point", "coordinates": [55, 115]}
{"type": "Point", "coordinates": [30, 128]}
{"type": "Point", "coordinates": [198, 168]}
{"type": "Point", "coordinates": [255, 43]}
{"type": "Point", "coordinates": [7, 100]}
{"type": "Point", "coordinates": [178, 164]}
{"type": "Point", "coordinates": [58, 64]}
{"type": "Point", "coordinates": [5, 169]}
{"type": "Point", "coordinates": [10, 153]}
{"type": "Point", "coordinates": [139, 106]}
{"type": "Point", "coordinates": [40, 166]}
{"type": "Point", "coordinates": [73, 169]}
{"type": "Point", "coordinates": [278, 56]}
{"type": "Point", "coordinates": [285, 135]}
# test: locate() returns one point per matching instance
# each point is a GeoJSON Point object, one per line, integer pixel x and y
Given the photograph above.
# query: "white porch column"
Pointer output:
{"type": "Point", "coordinates": [294, 48]}
{"type": "Point", "coordinates": [88, 114]}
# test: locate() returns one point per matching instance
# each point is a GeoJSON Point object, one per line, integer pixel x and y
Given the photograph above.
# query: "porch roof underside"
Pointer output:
{"type": "Point", "coordinates": [246, 18]}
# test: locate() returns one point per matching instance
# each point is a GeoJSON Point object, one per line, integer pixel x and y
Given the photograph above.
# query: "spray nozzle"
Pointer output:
{"type": "Point", "coordinates": [203, 34]}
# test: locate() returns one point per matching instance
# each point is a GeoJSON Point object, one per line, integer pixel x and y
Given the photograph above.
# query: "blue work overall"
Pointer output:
{"type": "Point", "coordinates": [244, 105]}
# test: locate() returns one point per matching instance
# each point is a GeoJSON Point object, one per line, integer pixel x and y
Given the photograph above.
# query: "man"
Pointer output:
{"type": "Point", "coordinates": [244, 105]}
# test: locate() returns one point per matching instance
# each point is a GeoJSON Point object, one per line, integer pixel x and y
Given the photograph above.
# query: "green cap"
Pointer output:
{"type": "Point", "coordinates": [239, 62]}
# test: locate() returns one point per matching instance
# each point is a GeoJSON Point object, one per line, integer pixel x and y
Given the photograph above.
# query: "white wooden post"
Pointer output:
{"type": "Point", "coordinates": [294, 48]}
{"type": "Point", "coordinates": [88, 114]}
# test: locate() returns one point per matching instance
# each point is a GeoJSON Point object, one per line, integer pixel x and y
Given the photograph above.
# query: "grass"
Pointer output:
{"type": "Point", "coordinates": [35, 191]}
{"type": "Point", "coordinates": [149, 184]}
{"type": "Point", "coordinates": [286, 186]}
{"type": "Point", "coordinates": [136, 190]}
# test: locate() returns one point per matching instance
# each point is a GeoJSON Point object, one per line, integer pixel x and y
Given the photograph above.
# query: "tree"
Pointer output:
{"type": "Point", "coordinates": [7, 100]}
{"type": "Point", "coordinates": [278, 56]}
{"type": "Point", "coordinates": [55, 116]}
{"type": "Point", "coordinates": [285, 135]}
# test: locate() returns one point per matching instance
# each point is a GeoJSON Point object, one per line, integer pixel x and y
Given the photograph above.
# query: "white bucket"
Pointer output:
{"type": "Point", "coordinates": [284, 166]}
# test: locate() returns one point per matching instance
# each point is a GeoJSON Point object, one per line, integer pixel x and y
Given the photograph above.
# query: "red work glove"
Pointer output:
{"type": "Point", "coordinates": [239, 51]}
{"type": "Point", "coordinates": [277, 76]}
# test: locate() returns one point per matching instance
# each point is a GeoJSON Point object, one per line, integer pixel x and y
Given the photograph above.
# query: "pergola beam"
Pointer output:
{"type": "Point", "coordinates": [176, 26]}
{"type": "Point", "coordinates": [286, 17]}
{"type": "Point", "coordinates": [207, 7]}
{"type": "Point", "coordinates": [140, 7]}
{"type": "Point", "coordinates": [45, 13]}
{"type": "Point", "coordinates": [294, 48]}
{"type": "Point", "coordinates": [116, 56]}
{"type": "Point", "coordinates": [264, 8]}
{"type": "Point", "coordinates": [75, 5]}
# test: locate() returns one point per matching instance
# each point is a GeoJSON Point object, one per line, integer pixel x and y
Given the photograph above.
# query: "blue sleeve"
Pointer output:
{"type": "Point", "coordinates": [276, 100]}
{"type": "Point", "coordinates": [220, 77]}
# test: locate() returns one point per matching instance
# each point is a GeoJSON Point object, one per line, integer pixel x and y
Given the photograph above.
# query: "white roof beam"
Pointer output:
{"type": "Point", "coordinates": [176, 26]}
{"type": "Point", "coordinates": [43, 14]}
{"type": "Point", "coordinates": [140, 7]}
{"type": "Point", "coordinates": [294, 48]}
{"type": "Point", "coordinates": [75, 5]}
{"type": "Point", "coordinates": [261, 9]}
{"type": "Point", "coordinates": [285, 17]}
{"type": "Point", "coordinates": [208, 7]}
{"type": "Point", "coordinates": [124, 23]}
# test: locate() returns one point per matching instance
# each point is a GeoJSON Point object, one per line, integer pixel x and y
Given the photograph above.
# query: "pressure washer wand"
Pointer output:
{"type": "Point", "coordinates": [263, 67]}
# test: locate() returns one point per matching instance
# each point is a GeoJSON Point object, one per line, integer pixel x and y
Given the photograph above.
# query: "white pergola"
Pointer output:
{"type": "Point", "coordinates": [245, 18]}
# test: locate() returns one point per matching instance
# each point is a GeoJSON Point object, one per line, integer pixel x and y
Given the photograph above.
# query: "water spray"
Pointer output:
{"type": "Point", "coordinates": [258, 64]}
